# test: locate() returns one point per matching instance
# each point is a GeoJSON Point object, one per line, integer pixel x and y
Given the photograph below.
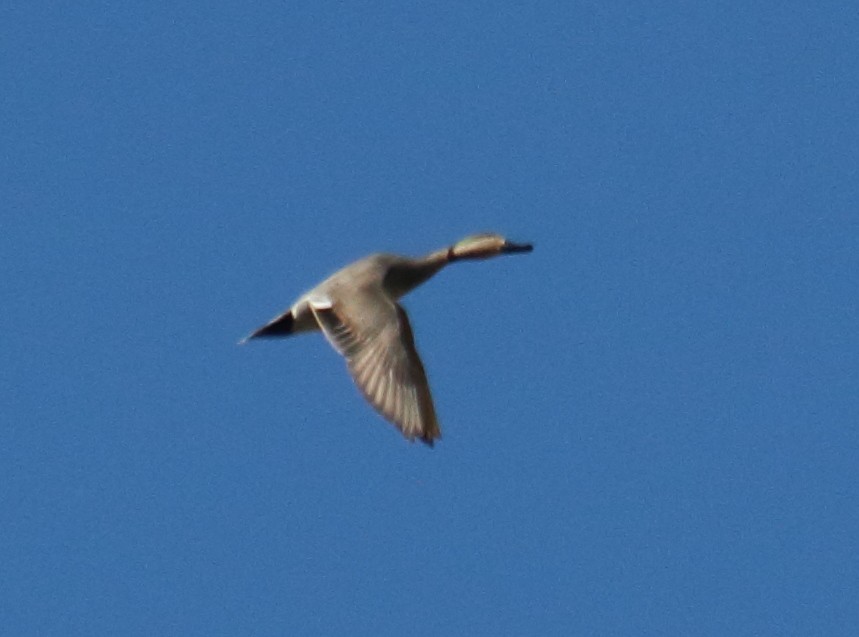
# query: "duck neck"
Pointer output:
{"type": "Point", "coordinates": [409, 274]}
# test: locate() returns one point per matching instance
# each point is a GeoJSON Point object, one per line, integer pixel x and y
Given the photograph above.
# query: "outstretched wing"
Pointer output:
{"type": "Point", "coordinates": [374, 335]}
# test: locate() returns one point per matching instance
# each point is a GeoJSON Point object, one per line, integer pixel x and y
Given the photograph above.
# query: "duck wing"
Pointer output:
{"type": "Point", "coordinates": [374, 335]}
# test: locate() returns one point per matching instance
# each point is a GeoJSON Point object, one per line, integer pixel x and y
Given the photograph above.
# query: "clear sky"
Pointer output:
{"type": "Point", "coordinates": [650, 422]}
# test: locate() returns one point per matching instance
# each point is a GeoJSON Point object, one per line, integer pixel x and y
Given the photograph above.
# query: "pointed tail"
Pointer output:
{"type": "Point", "coordinates": [276, 328]}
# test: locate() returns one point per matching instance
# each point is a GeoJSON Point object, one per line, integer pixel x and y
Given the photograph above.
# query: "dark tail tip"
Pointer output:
{"type": "Point", "coordinates": [279, 327]}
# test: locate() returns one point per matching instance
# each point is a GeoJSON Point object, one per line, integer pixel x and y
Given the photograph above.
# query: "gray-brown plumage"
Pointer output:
{"type": "Point", "coordinates": [357, 310]}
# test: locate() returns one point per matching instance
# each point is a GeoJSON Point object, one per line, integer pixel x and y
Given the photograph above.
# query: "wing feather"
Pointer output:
{"type": "Point", "coordinates": [374, 335]}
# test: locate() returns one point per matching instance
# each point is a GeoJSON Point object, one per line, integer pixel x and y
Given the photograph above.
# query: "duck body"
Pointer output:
{"type": "Point", "coordinates": [356, 308]}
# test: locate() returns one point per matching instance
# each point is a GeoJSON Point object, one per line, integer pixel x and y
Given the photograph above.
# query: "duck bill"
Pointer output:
{"type": "Point", "coordinates": [512, 248]}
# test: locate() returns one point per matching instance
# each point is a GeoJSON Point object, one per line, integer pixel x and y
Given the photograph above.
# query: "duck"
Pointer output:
{"type": "Point", "coordinates": [357, 309]}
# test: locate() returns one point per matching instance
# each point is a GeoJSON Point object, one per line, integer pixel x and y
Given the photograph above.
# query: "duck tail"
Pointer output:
{"type": "Point", "coordinates": [276, 328]}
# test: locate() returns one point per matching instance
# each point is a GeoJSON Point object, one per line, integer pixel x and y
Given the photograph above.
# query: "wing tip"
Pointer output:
{"type": "Point", "coordinates": [429, 440]}
{"type": "Point", "coordinates": [430, 434]}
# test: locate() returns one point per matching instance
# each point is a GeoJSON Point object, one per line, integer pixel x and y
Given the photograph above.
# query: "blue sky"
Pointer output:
{"type": "Point", "coordinates": [649, 422]}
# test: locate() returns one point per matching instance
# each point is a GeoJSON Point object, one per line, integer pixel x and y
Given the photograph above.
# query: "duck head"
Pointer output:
{"type": "Point", "coordinates": [484, 246]}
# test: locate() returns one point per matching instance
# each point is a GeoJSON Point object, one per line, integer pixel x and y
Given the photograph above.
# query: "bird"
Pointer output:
{"type": "Point", "coordinates": [357, 310]}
